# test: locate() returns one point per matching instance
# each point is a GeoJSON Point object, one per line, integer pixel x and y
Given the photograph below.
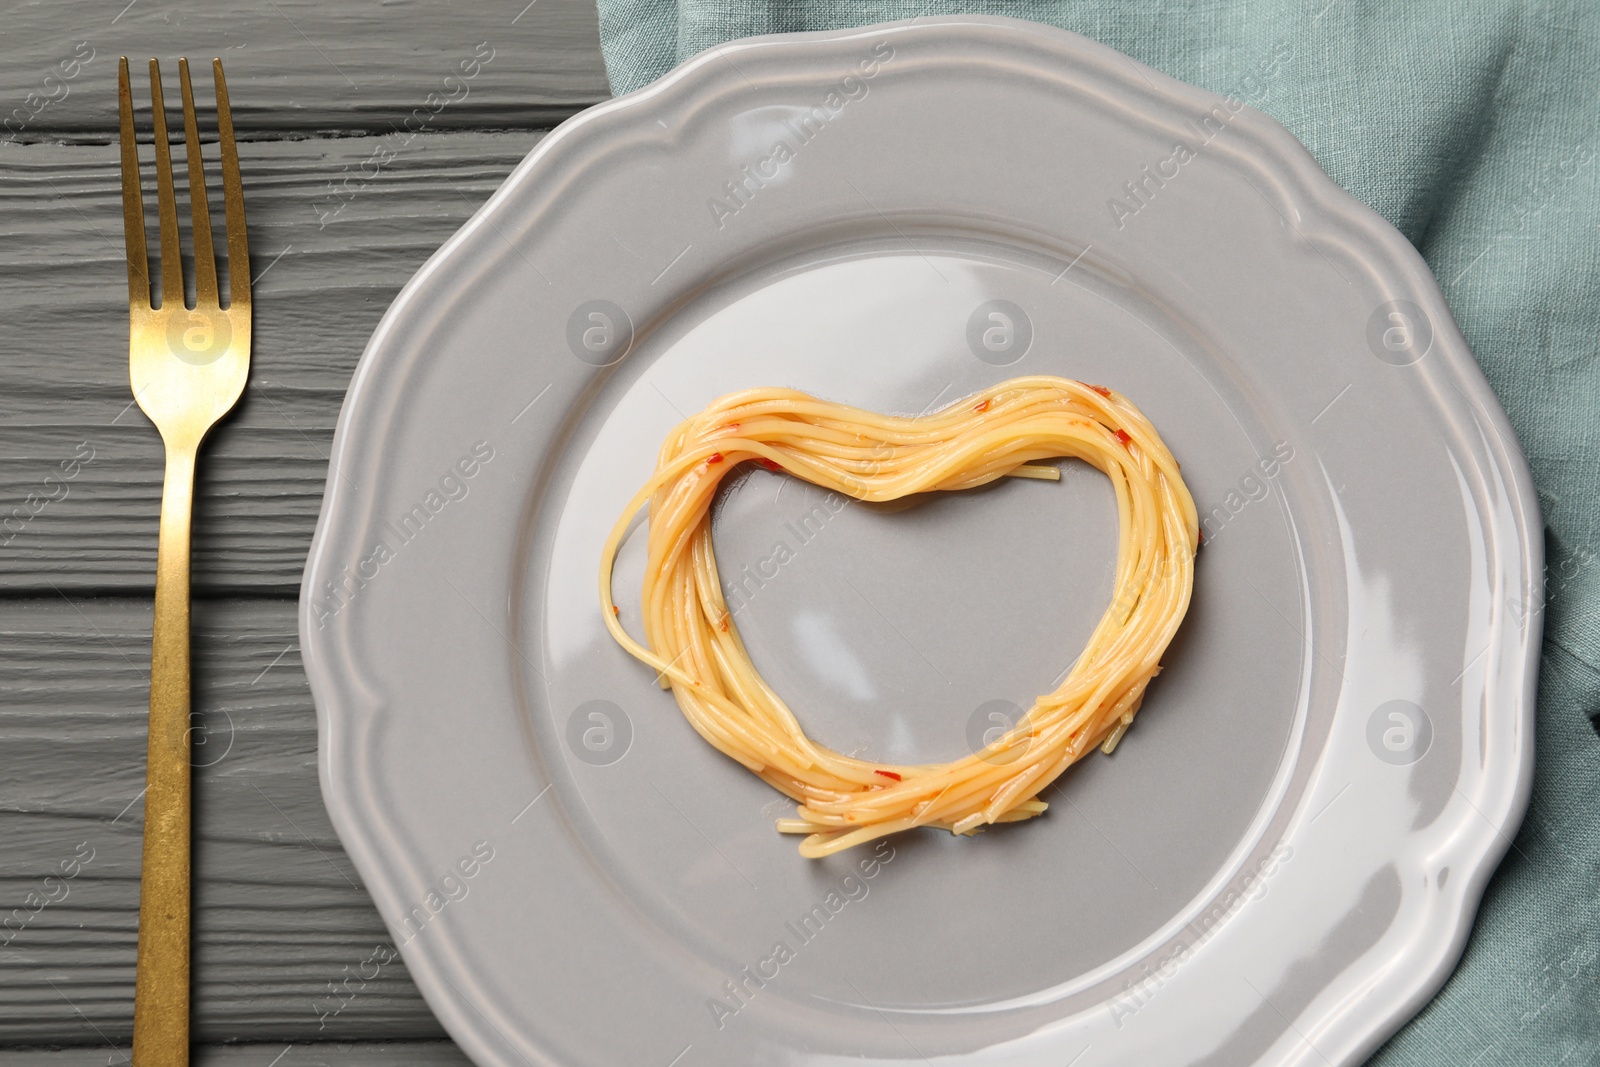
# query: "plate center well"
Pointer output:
{"type": "Point", "coordinates": [906, 632]}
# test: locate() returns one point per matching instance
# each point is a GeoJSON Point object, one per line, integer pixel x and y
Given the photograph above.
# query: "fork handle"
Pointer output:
{"type": "Point", "coordinates": [161, 985]}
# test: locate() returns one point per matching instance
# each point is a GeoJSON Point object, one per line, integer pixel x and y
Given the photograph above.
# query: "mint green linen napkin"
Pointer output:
{"type": "Point", "coordinates": [1474, 127]}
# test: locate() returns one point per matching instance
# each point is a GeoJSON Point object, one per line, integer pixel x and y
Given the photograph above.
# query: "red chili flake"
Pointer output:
{"type": "Point", "coordinates": [890, 774]}
{"type": "Point", "coordinates": [1102, 390]}
{"type": "Point", "coordinates": [722, 624]}
{"type": "Point", "coordinates": [982, 405]}
{"type": "Point", "coordinates": [767, 463]}
{"type": "Point", "coordinates": [715, 457]}
{"type": "Point", "coordinates": [1122, 435]}
{"type": "Point", "coordinates": [615, 610]}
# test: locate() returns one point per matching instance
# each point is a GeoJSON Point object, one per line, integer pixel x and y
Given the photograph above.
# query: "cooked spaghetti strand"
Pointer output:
{"type": "Point", "coordinates": [693, 643]}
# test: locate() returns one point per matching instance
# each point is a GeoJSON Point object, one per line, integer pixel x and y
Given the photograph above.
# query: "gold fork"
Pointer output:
{"type": "Point", "coordinates": [187, 367]}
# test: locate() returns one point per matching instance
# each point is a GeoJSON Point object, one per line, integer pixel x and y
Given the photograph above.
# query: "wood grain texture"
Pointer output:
{"type": "Point", "coordinates": [281, 921]}
{"type": "Point", "coordinates": [363, 1054]}
{"type": "Point", "coordinates": [360, 158]}
{"type": "Point", "coordinates": [298, 66]}
{"type": "Point", "coordinates": [327, 263]}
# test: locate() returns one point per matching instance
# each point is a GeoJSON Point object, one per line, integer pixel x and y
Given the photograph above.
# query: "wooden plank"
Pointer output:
{"type": "Point", "coordinates": [305, 65]}
{"type": "Point", "coordinates": [363, 1054]}
{"type": "Point", "coordinates": [279, 913]}
{"type": "Point", "coordinates": [326, 266]}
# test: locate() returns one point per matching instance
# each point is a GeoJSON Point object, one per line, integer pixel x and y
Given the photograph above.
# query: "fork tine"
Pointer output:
{"type": "Point", "coordinates": [205, 262]}
{"type": "Point", "coordinates": [132, 197]}
{"type": "Point", "coordinates": [232, 197]}
{"type": "Point", "coordinates": [171, 256]}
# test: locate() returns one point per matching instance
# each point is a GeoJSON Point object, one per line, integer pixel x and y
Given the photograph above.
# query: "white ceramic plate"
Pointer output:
{"type": "Point", "coordinates": [1282, 860]}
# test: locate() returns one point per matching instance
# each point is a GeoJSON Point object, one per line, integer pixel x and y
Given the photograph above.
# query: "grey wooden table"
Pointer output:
{"type": "Point", "coordinates": [352, 179]}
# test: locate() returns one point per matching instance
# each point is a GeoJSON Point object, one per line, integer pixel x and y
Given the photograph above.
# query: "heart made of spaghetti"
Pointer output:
{"type": "Point", "coordinates": [693, 644]}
